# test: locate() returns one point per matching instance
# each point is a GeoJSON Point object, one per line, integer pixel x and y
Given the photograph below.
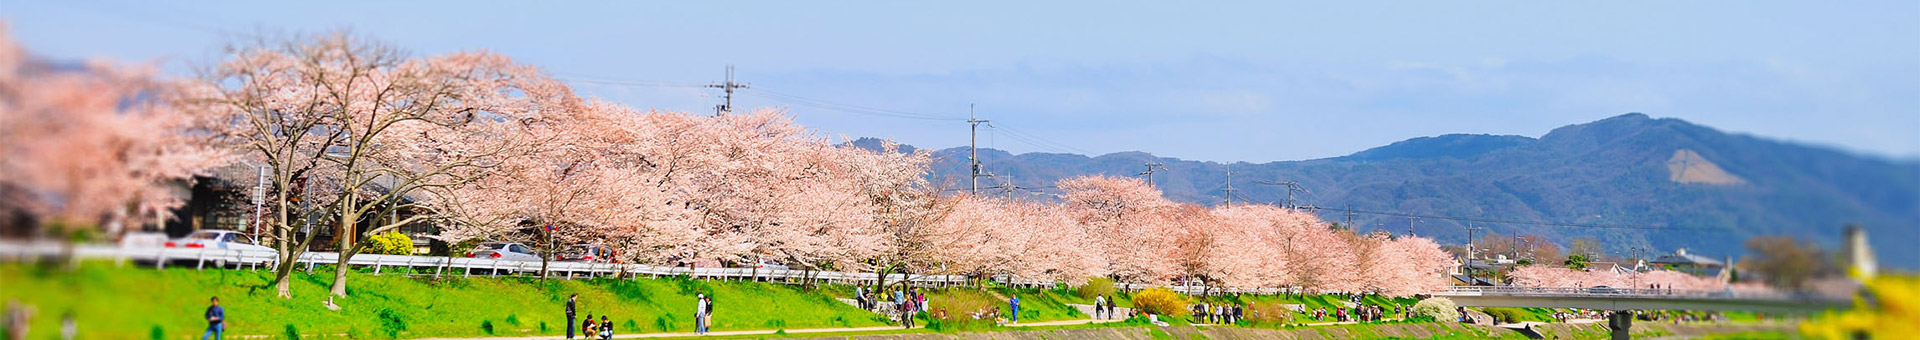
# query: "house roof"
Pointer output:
{"type": "Point", "coordinates": [1681, 257]}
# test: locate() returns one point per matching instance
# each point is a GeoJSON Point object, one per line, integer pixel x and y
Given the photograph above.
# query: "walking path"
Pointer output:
{"type": "Point", "coordinates": [772, 331]}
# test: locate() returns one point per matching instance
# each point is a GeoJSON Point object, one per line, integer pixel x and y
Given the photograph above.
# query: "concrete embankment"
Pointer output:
{"type": "Point", "coordinates": [1402, 331]}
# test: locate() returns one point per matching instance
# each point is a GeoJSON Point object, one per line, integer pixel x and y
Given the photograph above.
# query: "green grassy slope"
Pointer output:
{"type": "Point", "coordinates": [137, 303]}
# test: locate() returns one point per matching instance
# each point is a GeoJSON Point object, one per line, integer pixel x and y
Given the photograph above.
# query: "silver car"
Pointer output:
{"type": "Point", "coordinates": [218, 239]}
{"type": "Point", "coordinates": [503, 251]}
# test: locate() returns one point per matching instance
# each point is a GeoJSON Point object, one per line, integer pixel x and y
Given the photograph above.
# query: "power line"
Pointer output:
{"type": "Point", "coordinates": [1537, 223]}
{"type": "Point", "coordinates": [850, 108]}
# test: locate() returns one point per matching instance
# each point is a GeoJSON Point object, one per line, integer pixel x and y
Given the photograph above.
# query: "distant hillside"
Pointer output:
{"type": "Point", "coordinates": [1702, 189]}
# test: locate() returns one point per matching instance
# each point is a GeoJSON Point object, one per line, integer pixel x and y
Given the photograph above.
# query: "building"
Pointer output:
{"type": "Point", "coordinates": [1681, 261]}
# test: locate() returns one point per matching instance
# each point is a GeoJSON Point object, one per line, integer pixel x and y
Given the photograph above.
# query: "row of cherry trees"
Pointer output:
{"type": "Point", "coordinates": [362, 138]}
{"type": "Point", "coordinates": [1124, 228]}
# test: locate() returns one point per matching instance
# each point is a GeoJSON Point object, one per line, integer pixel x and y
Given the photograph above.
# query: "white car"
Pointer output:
{"type": "Point", "coordinates": [218, 239]}
{"type": "Point", "coordinates": [503, 251]}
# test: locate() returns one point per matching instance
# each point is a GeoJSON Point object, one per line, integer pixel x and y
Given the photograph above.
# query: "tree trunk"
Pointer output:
{"type": "Point", "coordinates": [282, 275]}
{"type": "Point", "coordinates": [348, 221]}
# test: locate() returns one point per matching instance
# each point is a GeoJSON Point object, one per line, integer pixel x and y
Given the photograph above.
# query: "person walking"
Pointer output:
{"type": "Point", "coordinates": [1013, 305]}
{"type": "Point", "coordinates": [570, 320]}
{"type": "Point", "coordinates": [1099, 305]}
{"type": "Point", "coordinates": [216, 320]}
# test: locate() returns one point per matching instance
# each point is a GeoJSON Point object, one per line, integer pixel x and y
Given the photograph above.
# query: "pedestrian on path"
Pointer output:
{"type": "Point", "coordinates": [700, 314]}
{"type": "Point", "coordinates": [570, 320]}
{"type": "Point", "coordinates": [1013, 304]}
{"type": "Point", "coordinates": [1099, 305]}
{"type": "Point", "coordinates": [216, 320]}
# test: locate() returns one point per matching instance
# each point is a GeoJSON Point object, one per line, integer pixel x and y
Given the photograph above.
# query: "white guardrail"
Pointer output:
{"type": "Point", "coordinates": [1609, 292]}
{"type": "Point", "coordinates": [201, 258]}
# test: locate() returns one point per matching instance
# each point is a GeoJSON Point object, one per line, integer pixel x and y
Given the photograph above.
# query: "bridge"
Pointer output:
{"type": "Point", "coordinates": [1623, 301]}
{"type": "Point", "coordinates": [1617, 299]}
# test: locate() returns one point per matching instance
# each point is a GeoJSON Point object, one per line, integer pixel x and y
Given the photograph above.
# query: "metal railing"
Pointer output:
{"type": "Point", "coordinates": [1608, 292]}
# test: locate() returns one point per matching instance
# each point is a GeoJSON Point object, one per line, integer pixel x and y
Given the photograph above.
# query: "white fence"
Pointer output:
{"type": "Point", "coordinates": [201, 258]}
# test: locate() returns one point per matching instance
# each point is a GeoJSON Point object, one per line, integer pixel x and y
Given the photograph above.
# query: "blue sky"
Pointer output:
{"type": "Point", "coordinates": [1221, 81]}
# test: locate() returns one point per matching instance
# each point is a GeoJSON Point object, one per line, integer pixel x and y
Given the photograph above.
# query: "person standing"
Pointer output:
{"type": "Point", "coordinates": [570, 319]}
{"type": "Point", "coordinates": [699, 314]}
{"type": "Point", "coordinates": [216, 320]}
{"type": "Point", "coordinates": [1013, 305]}
{"type": "Point", "coordinates": [706, 319]}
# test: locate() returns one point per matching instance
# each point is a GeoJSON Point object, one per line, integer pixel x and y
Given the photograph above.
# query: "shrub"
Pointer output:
{"type": "Point", "coordinates": [1438, 308]}
{"type": "Point", "coordinates": [1096, 286]}
{"type": "Point", "coordinates": [292, 333]}
{"type": "Point", "coordinates": [1160, 301]}
{"type": "Point", "coordinates": [957, 306]}
{"type": "Point", "coordinates": [391, 323]}
{"type": "Point", "coordinates": [392, 243]}
{"type": "Point", "coordinates": [1271, 313]}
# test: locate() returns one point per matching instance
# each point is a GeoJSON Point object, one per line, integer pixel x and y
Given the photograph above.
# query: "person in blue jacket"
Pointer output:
{"type": "Point", "coordinates": [216, 320]}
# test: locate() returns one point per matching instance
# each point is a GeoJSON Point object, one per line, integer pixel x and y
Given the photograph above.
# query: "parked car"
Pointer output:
{"type": "Point", "coordinates": [590, 253]}
{"type": "Point", "coordinates": [503, 251]}
{"type": "Point", "coordinates": [763, 264]}
{"type": "Point", "coordinates": [217, 239]}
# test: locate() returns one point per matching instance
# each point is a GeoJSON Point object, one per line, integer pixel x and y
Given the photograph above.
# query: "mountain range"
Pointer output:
{"type": "Point", "coordinates": [1630, 181]}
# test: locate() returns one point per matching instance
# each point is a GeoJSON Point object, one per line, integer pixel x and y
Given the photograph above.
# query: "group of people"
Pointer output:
{"type": "Point", "coordinates": [588, 329]}
{"type": "Point", "coordinates": [1219, 314]}
{"type": "Point", "coordinates": [1370, 313]}
{"type": "Point", "coordinates": [905, 302]}
{"type": "Point", "coordinates": [702, 314]}
{"type": "Point", "coordinates": [1103, 307]}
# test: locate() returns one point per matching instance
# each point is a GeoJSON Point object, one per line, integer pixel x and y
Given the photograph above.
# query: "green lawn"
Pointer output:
{"type": "Point", "coordinates": [139, 303]}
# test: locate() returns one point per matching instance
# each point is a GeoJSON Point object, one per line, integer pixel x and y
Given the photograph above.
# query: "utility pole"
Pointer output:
{"type": "Point", "coordinates": [728, 87]}
{"type": "Point", "coordinates": [1409, 220]}
{"type": "Point", "coordinates": [973, 151]}
{"type": "Point", "coordinates": [1349, 215]}
{"type": "Point", "coordinates": [1229, 189]}
{"type": "Point", "coordinates": [1469, 261]}
{"type": "Point", "coordinates": [1291, 187]}
{"type": "Point", "coordinates": [1150, 166]}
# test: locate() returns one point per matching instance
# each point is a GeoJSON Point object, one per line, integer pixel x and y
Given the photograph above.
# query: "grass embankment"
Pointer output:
{"type": "Point", "coordinates": [109, 302]}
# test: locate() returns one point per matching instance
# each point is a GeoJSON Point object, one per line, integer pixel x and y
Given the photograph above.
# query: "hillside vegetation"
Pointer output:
{"type": "Point", "coordinates": [1615, 171]}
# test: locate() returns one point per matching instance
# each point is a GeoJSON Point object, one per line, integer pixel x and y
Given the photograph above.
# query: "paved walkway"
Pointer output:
{"type": "Point", "coordinates": [772, 331]}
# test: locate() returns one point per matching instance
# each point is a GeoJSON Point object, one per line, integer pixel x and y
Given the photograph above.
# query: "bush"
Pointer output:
{"type": "Point", "coordinates": [1438, 308]}
{"type": "Point", "coordinates": [1269, 313]}
{"type": "Point", "coordinates": [958, 306]}
{"type": "Point", "coordinates": [1160, 301]}
{"type": "Point", "coordinates": [392, 243]}
{"type": "Point", "coordinates": [1096, 286]}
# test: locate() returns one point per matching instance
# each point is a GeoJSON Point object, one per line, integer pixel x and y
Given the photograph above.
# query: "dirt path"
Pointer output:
{"type": "Point", "coordinates": [772, 331]}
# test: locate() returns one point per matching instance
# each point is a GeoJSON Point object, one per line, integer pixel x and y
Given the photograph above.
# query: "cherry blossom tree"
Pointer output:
{"type": "Point", "coordinates": [1129, 220]}
{"type": "Point", "coordinates": [100, 146]}
{"type": "Point", "coordinates": [378, 133]}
